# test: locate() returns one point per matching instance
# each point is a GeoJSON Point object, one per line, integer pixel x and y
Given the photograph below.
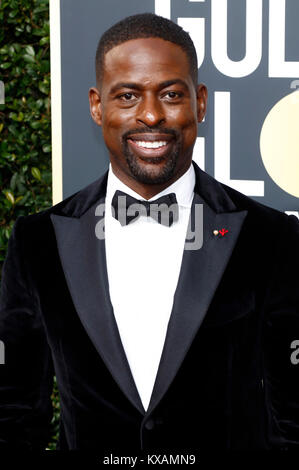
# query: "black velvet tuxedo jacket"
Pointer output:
{"type": "Point", "coordinates": [225, 380]}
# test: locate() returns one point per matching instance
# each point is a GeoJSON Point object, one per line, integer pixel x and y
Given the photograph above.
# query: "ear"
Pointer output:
{"type": "Point", "coordinates": [201, 97]}
{"type": "Point", "coordinates": [95, 105]}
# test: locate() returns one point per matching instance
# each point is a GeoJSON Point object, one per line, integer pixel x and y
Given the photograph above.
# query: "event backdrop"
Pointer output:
{"type": "Point", "coordinates": [249, 59]}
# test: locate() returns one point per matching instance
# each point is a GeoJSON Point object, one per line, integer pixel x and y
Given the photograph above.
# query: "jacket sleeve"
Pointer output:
{"type": "Point", "coordinates": [281, 369]}
{"type": "Point", "coordinates": [26, 372]}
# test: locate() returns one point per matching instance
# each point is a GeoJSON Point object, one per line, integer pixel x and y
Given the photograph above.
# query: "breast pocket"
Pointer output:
{"type": "Point", "coordinates": [225, 309]}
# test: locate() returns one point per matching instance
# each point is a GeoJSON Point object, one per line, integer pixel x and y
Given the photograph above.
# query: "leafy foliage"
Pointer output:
{"type": "Point", "coordinates": [25, 146]}
{"type": "Point", "coordinates": [56, 414]}
{"type": "Point", "coordinates": [25, 132]}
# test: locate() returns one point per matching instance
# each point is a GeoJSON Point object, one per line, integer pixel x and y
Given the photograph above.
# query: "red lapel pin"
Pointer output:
{"type": "Point", "coordinates": [222, 232]}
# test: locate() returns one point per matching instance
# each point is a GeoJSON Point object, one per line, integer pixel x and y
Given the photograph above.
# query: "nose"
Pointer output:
{"type": "Point", "coordinates": [150, 111]}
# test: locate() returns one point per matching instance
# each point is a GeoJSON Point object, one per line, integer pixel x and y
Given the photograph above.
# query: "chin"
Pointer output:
{"type": "Point", "coordinates": [149, 173]}
{"type": "Point", "coordinates": [156, 171]}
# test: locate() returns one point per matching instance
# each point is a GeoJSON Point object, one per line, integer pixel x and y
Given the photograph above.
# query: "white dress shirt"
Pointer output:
{"type": "Point", "coordinates": [143, 265]}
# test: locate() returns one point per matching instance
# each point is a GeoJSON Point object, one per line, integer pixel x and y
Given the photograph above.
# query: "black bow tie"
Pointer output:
{"type": "Point", "coordinates": [126, 208]}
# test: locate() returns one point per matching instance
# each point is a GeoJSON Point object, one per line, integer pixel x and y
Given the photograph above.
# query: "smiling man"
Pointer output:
{"type": "Point", "coordinates": [154, 346]}
{"type": "Point", "coordinates": [148, 103]}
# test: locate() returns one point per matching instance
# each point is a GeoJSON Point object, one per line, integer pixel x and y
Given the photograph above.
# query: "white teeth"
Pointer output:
{"type": "Point", "coordinates": [151, 145]}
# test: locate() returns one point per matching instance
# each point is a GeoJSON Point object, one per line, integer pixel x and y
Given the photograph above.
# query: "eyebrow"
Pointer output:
{"type": "Point", "coordinates": [135, 86]}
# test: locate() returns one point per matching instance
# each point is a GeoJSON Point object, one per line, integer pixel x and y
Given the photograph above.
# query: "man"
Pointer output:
{"type": "Point", "coordinates": [154, 345]}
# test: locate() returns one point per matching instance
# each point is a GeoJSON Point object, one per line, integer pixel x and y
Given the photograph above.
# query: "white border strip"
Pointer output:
{"type": "Point", "coordinates": [163, 8]}
{"type": "Point", "coordinates": [55, 67]}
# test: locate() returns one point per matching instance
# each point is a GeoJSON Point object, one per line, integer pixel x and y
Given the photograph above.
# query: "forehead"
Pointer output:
{"type": "Point", "coordinates": [149, 59]}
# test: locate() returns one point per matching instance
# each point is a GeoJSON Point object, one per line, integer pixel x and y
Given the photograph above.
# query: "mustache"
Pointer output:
{"type": "Point", "coordinates": [151, 130]}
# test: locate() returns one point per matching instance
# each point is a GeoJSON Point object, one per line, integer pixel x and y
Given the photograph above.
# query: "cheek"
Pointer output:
{"type": "Point", "coordinates": [189, 129]}
{"type": "Point", "coordinates": [185, 118]}
{"type": "Point", "coordinates": [114, 125]}
{"type": "Point", "coordinates": [114, 120]}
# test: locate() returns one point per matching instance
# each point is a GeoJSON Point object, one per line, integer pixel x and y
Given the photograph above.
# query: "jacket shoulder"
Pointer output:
{"type": "Point", "coordinates": [261, 213]}
{"type": "Point", "coordinates": [72, 206]}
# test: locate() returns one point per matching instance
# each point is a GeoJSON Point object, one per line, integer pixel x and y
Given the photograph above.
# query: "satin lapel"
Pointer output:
{"type": "Point", "coordinates": [83, 260]}
{"type": "Point", "coordinates": [200, 274]}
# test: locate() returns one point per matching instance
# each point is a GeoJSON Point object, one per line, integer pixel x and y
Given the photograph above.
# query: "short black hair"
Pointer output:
{"type": "Point", "coordinates": [145, 25]}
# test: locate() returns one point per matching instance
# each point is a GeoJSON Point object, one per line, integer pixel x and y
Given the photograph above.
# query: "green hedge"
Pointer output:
{"type": "Point", "coordinates": [25, 137]}
{"type": "Point", "coordinates": [25, 121]}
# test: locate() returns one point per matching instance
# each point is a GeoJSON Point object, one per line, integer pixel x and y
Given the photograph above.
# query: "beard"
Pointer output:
{"type": "Point", "coordinates": [150, 176]}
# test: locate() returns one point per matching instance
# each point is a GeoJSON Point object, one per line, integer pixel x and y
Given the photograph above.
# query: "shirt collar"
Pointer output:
{"type": "Point", "coordinates": [182, 187]}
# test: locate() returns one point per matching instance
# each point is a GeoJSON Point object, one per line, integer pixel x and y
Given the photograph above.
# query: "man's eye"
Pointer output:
{"type": "Point", "coordinates": [126, 96]}
{"type": "Point", "coordinates": [173, 94]}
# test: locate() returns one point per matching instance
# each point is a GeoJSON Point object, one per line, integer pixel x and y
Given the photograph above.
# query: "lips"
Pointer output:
{"type": "Point", "coordinates": [150, 145]}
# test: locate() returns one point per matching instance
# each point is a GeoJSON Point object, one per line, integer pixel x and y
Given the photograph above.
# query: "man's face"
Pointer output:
{"type": "Point", "coordinates": [148, 108]}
